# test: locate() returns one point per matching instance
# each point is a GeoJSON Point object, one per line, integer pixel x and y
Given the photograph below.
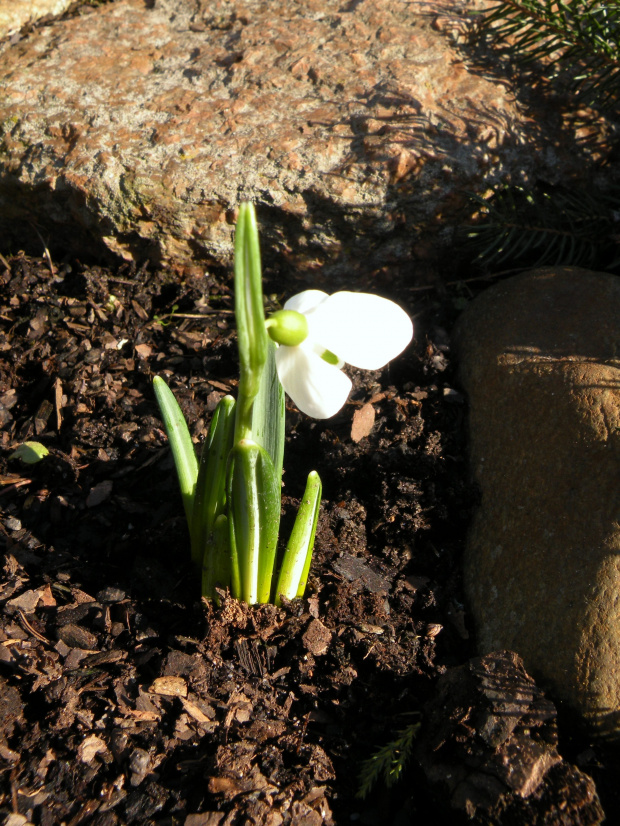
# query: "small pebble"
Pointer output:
{"type": "Point", "coordinates": [110, 595]}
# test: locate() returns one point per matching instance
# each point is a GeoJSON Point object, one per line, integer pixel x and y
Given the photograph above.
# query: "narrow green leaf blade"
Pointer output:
{"type": "Point", "coordinates": [254, 513]}
{"type": "Point", "coordinates": [181, 443]}
{"type": "Point", "coordinates": [216, 567]}
{"type": "Point", "coordinates": [269, 411]}
{"type": "Point", "coordinates": [298, 556]}
{"type": "Point", "coordinates": [210, 496]}
{"type": "Point", "coordinates": [235, 573]}
{"type": "Point", "coordinates": [250, 316]}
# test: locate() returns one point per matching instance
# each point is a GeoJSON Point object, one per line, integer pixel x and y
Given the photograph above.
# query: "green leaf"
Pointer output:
{"type": "Point", "coordinates": [254, 519]}
{"type": "Point", "coordinates": [268, 412]}
{"type": "Point", "coordinates": [30, 452]}
{"type": "Point", "coordinates": [216, 562]}
{"type": "Point", "coordinates": [250, 316]}
{"type": "Point", "coordinates": [235, 572]}
{"type": "Point", "coordinates": [181, 443]}
{"type": "Point", "coordinates": [210, 495]}
{"type": "Point", "coordinates": [298, 555]}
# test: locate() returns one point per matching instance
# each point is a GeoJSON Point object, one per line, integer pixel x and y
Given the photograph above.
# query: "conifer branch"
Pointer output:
{"type": "Point", "coordinates": [388, 762]}
{"type": "Point", "coordinates": [579, 36]}
{"type": "Point", "coordinates": [547, 226]}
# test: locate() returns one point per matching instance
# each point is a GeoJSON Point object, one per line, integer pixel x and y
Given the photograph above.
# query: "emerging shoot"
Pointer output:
{"type": "Point", "coordinates": [232, 497]}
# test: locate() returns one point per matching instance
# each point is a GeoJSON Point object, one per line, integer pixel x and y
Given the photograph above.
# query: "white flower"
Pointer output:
{"type": "Point", "coordinates": [354, 328]}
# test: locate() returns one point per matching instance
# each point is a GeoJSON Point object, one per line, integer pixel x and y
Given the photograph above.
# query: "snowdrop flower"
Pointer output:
{"type": "Point", "coordinates": [318, 333]}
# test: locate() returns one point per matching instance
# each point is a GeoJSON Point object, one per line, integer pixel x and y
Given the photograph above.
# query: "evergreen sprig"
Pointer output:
{"type": "Point", "coordinates": [547, 226]}
{"type": "Point", "coordinates": [552, 225]}
{"type": "Point", "coordinates": [581, 36]}
{"type": "Point", "coordinates": [388, 762]}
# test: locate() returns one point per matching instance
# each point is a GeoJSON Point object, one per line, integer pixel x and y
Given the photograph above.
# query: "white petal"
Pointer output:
{"type": "Point", "coordinates": [362, 329]}
{"type": "Point", "coordinates": [318, 389]}
{"type": "Point", "coordinates": [306, 301]}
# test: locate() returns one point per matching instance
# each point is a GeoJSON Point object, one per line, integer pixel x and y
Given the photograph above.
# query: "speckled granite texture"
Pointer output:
{"type": "Point", "coordinates": [14, 14]}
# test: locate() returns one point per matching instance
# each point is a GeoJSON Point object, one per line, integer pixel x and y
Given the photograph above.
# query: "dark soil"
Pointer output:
{"type": "Point", "coordinates": [125, 699]}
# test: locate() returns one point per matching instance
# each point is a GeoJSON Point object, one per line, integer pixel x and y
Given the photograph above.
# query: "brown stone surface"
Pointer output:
{"type": "Point", "coordinates": [14, 14]}
{"type": "Point", "coordinates": [358, 127]}
{"type": "Point", "coordinates": [540, 361]}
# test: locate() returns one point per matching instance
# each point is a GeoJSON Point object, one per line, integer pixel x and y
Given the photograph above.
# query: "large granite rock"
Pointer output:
{"type": "Point", "coordinates": [15, 14]}
{"type": "Point", "coordinates": [358, 127]}
{"type": "Point", "coordinates": [540, 361]}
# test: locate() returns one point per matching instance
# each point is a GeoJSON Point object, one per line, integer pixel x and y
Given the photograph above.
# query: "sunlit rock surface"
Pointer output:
{"type": "Point", "coordinates": [358, 129]}
{"type": "Point", "coordinates": [15, 14]}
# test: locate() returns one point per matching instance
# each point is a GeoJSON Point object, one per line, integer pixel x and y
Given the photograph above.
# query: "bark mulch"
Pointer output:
{"type": "Point", "coordinates": [125, 699]}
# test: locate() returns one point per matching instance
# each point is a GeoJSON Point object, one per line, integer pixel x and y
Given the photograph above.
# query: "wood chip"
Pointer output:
{"type": "Point", "coordinates": [140, 312]}
{"type": "Point", "coordinates": [169, 686]}
{"type": "Point", "coordinates": [47, 598]}
{"type": "Point", "coordinates": [99, 493]}
{"type": "Point", "coordinates": [143, 350]}
{"type": "Point", "coordinates": [81, 597]}
{"type": "Point", "coordinates": [219, 385]}
{"type": "Point", "coordinates": [27, 601]}
{"type": "Point", "coordinates": [104, 658]}
{"type": "Point", "coordinates": [58, 403]}
{"type": "Point", "coordinates": [363, 421]}
{"type": "Point", "coordinates": [90, 747]}
{"type": "Point", "coordinates": [143, 716]}
{"type": "Point", "coordinates": [191, 340]}
{"type": "Point", "coordinates": [77, 637]}
{"type": "Point", "coordinates": [195, 712]}
{"type": "Point", "coordinates": [205, 819]}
